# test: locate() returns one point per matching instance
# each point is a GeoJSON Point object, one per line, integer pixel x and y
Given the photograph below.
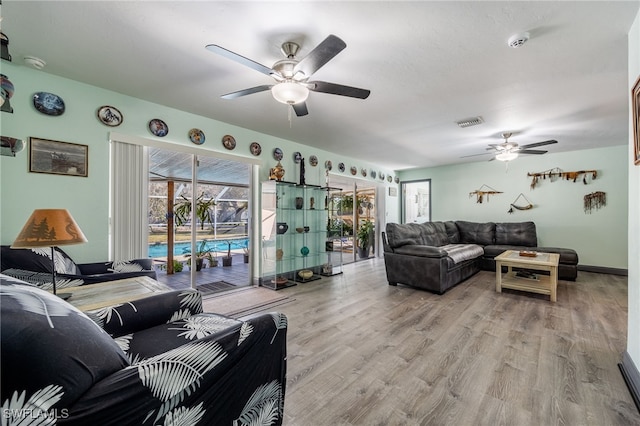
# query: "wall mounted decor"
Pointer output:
{"type": "Point", "coordinates": [354, 170]}
{"type": "Point", "coordinates": [397, 179]}
{"type": "Point", "coordinates": [255, 148]}
{"type": "Point", "coordinates": [373, 174]}
{"type": "Point", "coordinates": [328, 165]}
{"type": "Point", "coordinates": [58, 158]}
{"type": "Point", "coordinates": [48, 103]}
{"type": "Point", "coordinates": [389, 178]}
{"type": "Point", "coordinates": [556, 172]}
{"type": "Point", "coordinates": [594, 201]}
{"type": "Point", "coordinates": [6, 92]}
{"type": "Point", "coordinates": [481, 192]}
{"type": "Point", "coordinates": [4, 51]}
{"type": "Point", "coordinates": [381, 175]}
{"type": "Point", "coordinates": [297, 157]}
{"type": "Point", "coordinates": [110, 116]}
{"type": "Point", "coordinates": [277, 154]}
{"type": "Point", "coordinates": [527, 206]}
{"type": "Point", "coordinates": [196, 136]}
{"type": "Point", "coordinates": [10, 146]}
{"type": "Point", "coordinates": [635, 117]}
{"type": "Point", "coordinates": [313, 160]}
{"type": "Point", "coordinates": [158, 128]}
{"type": "Point", "coordinates": [364, 172]}
{"type": "Point", "coordinates": [229, 142]}
{"type": "Point", "coordinates": [341, 167]}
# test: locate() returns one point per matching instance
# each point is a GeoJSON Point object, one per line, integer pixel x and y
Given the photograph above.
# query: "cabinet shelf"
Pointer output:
{"type": "Point", "coordinates": [282, 258]}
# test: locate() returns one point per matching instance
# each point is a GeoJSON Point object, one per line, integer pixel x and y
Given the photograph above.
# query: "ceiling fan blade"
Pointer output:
{"type": "Point", "coordinates": [475, 155]}
{"type": "Point", "coordinates": [245, 92]}
{"type": "Point", "coordinates": [300, 109]}
{"type": "Point", "coordinates": [240, 59]}
{"type": "Point", "coordinates": [533, 145]}
{"type": "Point", "coordinates": [531, 151]}
{"type": "Point", "coordinates": [339, 89]}
{"type": "Point", "coordinates": [320, 55]}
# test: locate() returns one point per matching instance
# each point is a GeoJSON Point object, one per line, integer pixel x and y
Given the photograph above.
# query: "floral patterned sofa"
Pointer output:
{"type": "Point", "coordinates": [34, 266]}
{"type": "Point", "coordinates": [154, 361]}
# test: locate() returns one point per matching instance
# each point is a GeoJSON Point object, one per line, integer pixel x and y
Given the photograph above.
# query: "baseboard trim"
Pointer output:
{"type": "Point", "coordinates": [631, 377]}
{"type": "Point", "coordinates": [603, 270]}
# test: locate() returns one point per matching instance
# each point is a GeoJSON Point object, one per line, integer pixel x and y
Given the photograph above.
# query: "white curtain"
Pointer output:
{"type": "Point", "coordinates": [129, 186]}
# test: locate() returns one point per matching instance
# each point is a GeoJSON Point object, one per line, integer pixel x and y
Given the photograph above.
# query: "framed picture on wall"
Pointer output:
{"type": "Point", "coordinates": [58, 158]}
{"type": "Point", "coordinates": [635, 117]}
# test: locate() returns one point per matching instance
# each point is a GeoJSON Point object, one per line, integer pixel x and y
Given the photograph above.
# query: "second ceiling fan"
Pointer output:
{"type": "Point", "coordinates": [507, 151]}
{"type": "Point", "coordinates": [291, 75]}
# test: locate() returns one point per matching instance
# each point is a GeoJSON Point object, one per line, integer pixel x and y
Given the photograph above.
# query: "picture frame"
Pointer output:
{"type": "Point", "coordinates": [58, 158]}
{"type": "Point", "coordinates": [635, 117]}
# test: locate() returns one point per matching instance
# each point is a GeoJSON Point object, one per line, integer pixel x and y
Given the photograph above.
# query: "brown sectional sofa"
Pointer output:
{"type": "Point", "coordinates": [438, 255]}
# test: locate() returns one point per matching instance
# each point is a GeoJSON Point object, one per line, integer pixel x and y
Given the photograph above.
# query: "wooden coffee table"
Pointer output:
{"type": "Point", "coordinates": [95, 296]}
{"type": "Point", "coordinates": [543, 284]}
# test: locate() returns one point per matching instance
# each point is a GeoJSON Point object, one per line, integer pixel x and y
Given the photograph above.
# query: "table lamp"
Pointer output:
{"type": "Point", "coordinates": [50, 228]}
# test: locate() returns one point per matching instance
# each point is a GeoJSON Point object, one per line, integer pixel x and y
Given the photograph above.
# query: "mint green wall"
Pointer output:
{"type": "Point", "coordinates": [600, 238]}
{"type": "Point", "coordinates": [88, 198]}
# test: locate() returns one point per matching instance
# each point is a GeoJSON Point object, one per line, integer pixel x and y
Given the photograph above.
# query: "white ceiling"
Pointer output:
{"type": "Point", "coordinates": [427, 64]}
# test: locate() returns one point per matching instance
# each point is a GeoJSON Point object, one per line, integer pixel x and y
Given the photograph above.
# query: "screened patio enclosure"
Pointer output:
{"type": "Point", "coordinates": [219, 229]}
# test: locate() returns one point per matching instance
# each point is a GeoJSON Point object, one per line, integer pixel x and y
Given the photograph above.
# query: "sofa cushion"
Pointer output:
{"type": "Point", "coordinates": [37, 260]}
{"type": "Point", "coordinates": [399, 235]}
{"type": "Point", "coordinates": [434, 234]}
{"type": "Point", "coordinates": [476, 233]}
{"type": "Point", "coordinates": [453, 234]}
{"type": "Point", "coordinates": [516, 234]}
{"type": "Point", "coordinates": [51, 346]}
{"type": "Point", "coordinates": [461, 252]}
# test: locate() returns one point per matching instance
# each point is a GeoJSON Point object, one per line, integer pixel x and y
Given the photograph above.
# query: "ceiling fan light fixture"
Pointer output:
{"type": "Point", "coordinates": [289, 92]}
{"type": "Point", "coordinates": [506, 156]}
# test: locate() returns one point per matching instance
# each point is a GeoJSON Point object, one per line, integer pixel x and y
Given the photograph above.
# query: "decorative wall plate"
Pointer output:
{"type": "Point", "coordinates": [397, 179]}
{"type": "Point", "coordinates": [229, 142]}
{"type": "Point", "coordinates": [389, 179]}
{"type": "Point", "coordinates": [297, 157]}
{"type": "Point", "coordinates": [10, 146]}
{"type": "Point", "coordinates": [158, 127]}
{"type": "Point", "coordinates": [381, 176]}
{"type": "Point", "coordinates": [313, 160]}
{"type": "Point", "coordinates": [110, 116]}
{"type": "Point", "coordinates": [364, 172]}
{"type": "Point", "coordinates": [373, 174]}
{"type": "Point", "coordinates": [341, 167]}
{"type": "Point", "coordinates": [196, 136]}
{"type": "Point", "coordinates": [354, 170]}
{"type": "Point", "coordinates": [48, 103]}
{"type": "Point", "coordinates": [255, 148]}
{"type": "Point", "coordinates": [277, 154]}
{"type": "Point", "coordinates": [328, 165]}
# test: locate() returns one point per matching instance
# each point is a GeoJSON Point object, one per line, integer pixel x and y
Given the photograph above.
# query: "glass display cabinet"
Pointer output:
{"type": "Point", "coordinates": [296, 247]}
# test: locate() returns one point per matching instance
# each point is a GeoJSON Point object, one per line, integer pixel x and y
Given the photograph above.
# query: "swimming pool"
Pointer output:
{"type": "Point", "coordinates": [160, 250]}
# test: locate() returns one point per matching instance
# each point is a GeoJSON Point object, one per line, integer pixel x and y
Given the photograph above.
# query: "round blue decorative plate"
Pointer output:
{"type": "Point", "coordinates": [48, 103]}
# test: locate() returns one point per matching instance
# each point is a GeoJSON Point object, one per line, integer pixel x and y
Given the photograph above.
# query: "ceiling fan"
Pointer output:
{"type": "Point", "coordinates": [292, 75]}
{"type": "Point", "coordinates": [507, 151]}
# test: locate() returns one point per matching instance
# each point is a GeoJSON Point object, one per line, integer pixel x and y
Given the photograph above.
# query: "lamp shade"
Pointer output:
{"type": "Point", "coordinates": [289, 92]}
{"type": "Point", "coordinates": [506, 156]}
{"type": "Point", "coordinates": [49, 228]}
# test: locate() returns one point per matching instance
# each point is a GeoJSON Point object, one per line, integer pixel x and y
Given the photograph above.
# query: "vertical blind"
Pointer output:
{"type": "Point", "coordinates": [129, 180]}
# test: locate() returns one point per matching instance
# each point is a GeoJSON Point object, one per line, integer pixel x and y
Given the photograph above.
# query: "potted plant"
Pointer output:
{"type": "Point", "coordinates": [365, 237]}
{"type": "Point", "coordinates": [227, 260]}
{"type": "Point", "coordinates": [212, 259]}
{"type": "Point", "coordinates": [245, 249]}
{"type": "Point", "coordinates": [202, 252]}
{"type": "Point", "coordinates": [204, 211]}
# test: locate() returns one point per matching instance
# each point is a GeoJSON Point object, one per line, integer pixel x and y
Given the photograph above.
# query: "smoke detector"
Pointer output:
{"type": "Point", "coordinates": [34, 62]}
{"type": "Point", "coordinates": [518, 40]}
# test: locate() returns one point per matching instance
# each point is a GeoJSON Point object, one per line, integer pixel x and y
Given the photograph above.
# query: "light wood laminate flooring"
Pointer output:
{"type": "Point", "coordinates": [361, 352]}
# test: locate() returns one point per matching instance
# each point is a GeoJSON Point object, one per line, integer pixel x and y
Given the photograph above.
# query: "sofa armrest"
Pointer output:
{"type": "Point", "coordinates": [141, 314]}
{"type": "Point", "coordinates": [421, 251]}
{"type": "Point", "coordinates": [216, 379]}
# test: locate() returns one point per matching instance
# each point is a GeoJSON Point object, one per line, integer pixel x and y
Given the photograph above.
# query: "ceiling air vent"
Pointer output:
{"type": "Point", "coordinates": [468, 122]}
